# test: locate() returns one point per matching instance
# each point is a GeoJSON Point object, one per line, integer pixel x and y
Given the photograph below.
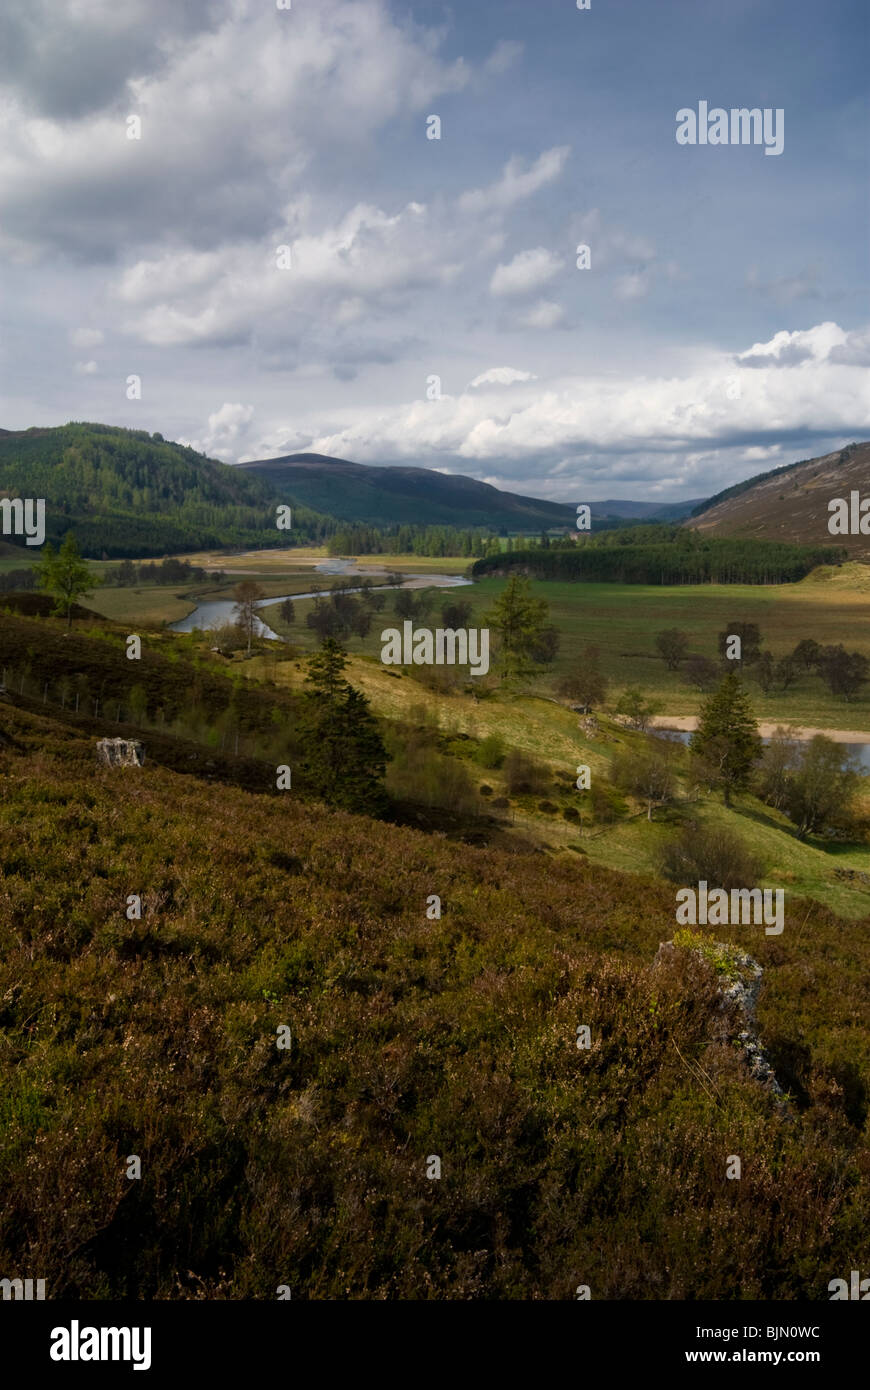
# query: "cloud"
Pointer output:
{"type": "Point", "coordinates": [233, 118]}
{"type": "Point", "coordinates": [504, 56]}
{"type": "Point", "coordinates": [527, 271]}
{"type": "Point", "coordinates": [545, 314]}
{"type": "Point", "coordinates": [556, 420]}
{"type": "Point", "coordinates": [500, 376]}
{"type": "Point", "coordinates": [516, 183]}
{"type": "Point", "coordinates": [364, 267]}
{"type": "Point", "coordinates": [786, 349]}
{"type": "Point", "coordinates": [227, 430]}
{"type": "Point", "coordinates": [854, 351]}
{"type": "Point", "coordinates": [86, 368]}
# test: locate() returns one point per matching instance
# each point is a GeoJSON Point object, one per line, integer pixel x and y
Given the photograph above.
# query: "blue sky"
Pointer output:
{"type": "Point", "coordinates": [722, 327]}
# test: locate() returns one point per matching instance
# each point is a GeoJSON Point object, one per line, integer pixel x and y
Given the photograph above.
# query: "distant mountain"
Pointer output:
{"type": "Point", "coordinates": [791, 503]}
{"type": "Point", "coordinates": [378, 496]}
{"type": "Point", "coordinates": [647, 511]}
{"type": "Point", "coordinates": [131, 493]}
{"type": "Point", "coordinates": [373, 495]}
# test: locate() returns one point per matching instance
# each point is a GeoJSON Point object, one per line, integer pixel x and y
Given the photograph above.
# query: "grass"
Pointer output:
{"type": "Point", "coordinates": [622, 620]}
{"type": "Point", "coordinates": [552, 734]}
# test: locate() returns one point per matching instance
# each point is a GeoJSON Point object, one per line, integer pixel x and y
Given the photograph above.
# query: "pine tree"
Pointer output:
{"type": "Point", "coordinates": [343, 758]}
{"type": "Point", "coordinates": [727, 740]}
{"type": "Point", "coordinates": [521, 623]}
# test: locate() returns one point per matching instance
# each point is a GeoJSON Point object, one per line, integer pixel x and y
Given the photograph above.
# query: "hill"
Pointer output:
{"type": "Point", "coordinates": [791, 503]}
{"type": "Point", "coordinates": [377, 496]}
{"type": "Point", "coordinates": [410, 1038]}
{"type": "Point", "coordinates": [130, 493]}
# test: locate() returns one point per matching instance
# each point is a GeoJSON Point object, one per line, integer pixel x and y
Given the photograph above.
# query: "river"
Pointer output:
{"type": "Point", "coordinates": [218, 612]}
{"type": "Point", "coordinates": [860, 750]}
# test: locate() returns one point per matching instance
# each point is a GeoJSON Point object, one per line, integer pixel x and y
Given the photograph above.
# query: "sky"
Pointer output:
{"type": "Point", "coordinates": [287, 261]}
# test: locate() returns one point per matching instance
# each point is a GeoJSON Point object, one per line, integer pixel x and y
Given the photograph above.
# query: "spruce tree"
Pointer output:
{"type": "Point", "coordinates": [343, 758]}
{"type": "Point", "coordinates": [727, 740]}
{"type": "Point", "coordinates": [521, 623]}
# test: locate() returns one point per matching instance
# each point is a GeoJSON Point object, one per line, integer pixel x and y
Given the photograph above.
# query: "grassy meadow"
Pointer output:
{"type": "Point", "coordinates": [831, 606]}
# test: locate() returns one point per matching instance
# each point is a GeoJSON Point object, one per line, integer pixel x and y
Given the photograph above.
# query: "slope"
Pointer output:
{"type": "Point", "coordinates": [410, 1038]}
{"type": "Point", "coordinates": [791, 503]}
{"type": "Point", "coordinates": [127, 493]}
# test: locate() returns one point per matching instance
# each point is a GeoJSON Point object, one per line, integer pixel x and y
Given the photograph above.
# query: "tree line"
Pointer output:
{"type": "Point", "coordinates": [844, 672]}
{"type": "Point", "coordinates": [615, 557]}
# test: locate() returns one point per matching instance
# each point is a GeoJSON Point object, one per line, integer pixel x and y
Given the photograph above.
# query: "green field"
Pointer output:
{"type": "Point", "coordinates": [622, 620]}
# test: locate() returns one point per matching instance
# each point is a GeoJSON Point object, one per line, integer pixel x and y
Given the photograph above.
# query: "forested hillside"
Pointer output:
{"type": "Point", "coordinates": [665, 555]}
{"type": "Point", "coordinates": [129, 493]}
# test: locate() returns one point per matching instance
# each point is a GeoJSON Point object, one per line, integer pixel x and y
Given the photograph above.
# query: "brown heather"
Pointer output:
{"type": "Point", "coordinates": [456, 1037]}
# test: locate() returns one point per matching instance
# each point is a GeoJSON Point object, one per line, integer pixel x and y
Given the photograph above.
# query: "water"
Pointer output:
{"type": "Point", "coordinates": [218, 612]}
{"type": "Point", "coordinates": [860, 750]}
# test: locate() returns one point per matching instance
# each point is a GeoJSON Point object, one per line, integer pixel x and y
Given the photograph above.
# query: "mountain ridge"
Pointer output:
{"type": "Point", "coordinates": [790, 503]}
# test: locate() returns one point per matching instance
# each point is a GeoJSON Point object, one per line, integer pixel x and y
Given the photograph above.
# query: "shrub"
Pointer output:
{"type": "Point", "coordinates": [490, 751]}
{"type": "Point", "coordinates": [711, 853]}
{"type": "Point", "coordinates": [524, 775]}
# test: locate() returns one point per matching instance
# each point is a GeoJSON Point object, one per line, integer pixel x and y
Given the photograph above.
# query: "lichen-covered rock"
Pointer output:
{"type": "Point", "coordinates": [739, 983]}
{"type": "Point", "coordinates": [120, 752]}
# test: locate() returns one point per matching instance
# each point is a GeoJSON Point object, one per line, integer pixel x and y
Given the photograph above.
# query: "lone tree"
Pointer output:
{"type": "Point", "coordinates": [525, 636]}
{"type": "Point", "coordinates": [247, 595]}
{"type": "Point", "coordinates": [343, 758]}
{"type": "Point", "coordinates": [585, 685]}
{"type": "Point", "coordinates": [66, 576]}
{"type": "Point", "coordinates": [648, 775]}
{"type": "Point", "coordinates": [727, 742]}
{"type": "Point", "coordinates": [672, 646]}
{"type": "Point", "coordinates": [636, 708]}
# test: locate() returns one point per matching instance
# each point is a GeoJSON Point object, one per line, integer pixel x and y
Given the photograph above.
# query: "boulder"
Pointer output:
{"type": "Point", "coordinates": [120, 752]}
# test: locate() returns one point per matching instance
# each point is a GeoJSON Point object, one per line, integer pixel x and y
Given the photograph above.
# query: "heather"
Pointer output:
{"type": "Point", "coordinates": [410, 1037]}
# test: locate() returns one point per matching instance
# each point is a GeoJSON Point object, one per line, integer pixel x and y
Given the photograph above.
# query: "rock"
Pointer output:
{"type": "Point", "coordinates": [120, 752]}
{"type": "Point", "coordinates": [739, 982]}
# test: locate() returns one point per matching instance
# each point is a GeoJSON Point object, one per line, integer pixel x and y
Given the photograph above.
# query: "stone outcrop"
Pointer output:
{"type": "Point", "coordinates": [120, 752]}
{"type": "Point", "coordinates": [739, 983]}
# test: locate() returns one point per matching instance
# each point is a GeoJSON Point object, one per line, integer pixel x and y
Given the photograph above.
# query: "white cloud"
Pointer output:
{"type": "Point", "coordinates": [527, 271]}
{"type": "Point", "coordinates": [696, 411]}
{"type": "Point", "coordinates": [516, 183]}
{"type": "Point", "coordinates": [786, 349]}
{"type": "Point", "coordinates": [501, 376]}
{"type": "Point", "coordinates": [227, 430]}
{"type": "Point", "coordinates": [86, 368]}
